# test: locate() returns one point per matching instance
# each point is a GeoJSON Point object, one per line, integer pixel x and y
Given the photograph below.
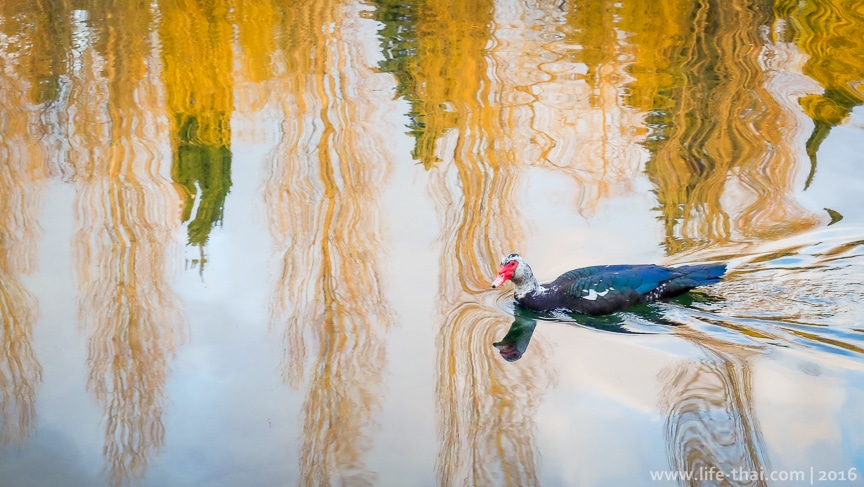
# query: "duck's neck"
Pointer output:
{"type": "Point", "coordinates": [526, 284]}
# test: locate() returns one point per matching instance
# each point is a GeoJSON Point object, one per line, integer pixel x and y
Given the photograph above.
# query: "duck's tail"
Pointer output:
{"type": "Point", "coordinates": [702, 274]}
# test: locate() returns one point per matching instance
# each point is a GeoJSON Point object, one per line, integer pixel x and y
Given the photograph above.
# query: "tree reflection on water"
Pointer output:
{"type": "Point", "coordinates": [713, 112]}
{"type": "Point", "coordinates": [320, 190]}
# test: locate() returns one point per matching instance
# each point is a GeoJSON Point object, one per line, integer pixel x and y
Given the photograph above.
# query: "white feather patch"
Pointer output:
{"type": "Point", "coordinates": [593, 294]}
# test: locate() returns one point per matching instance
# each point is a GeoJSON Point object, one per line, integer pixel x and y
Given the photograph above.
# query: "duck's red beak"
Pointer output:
{"type": "Point", "coordinates": [504, 275]}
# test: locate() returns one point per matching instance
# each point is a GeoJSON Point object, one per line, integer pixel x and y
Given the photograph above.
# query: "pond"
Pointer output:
{"type": "Point", "coordinates": [250, 242]}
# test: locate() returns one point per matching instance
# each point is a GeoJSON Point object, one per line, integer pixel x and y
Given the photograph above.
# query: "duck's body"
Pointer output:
{"type": "Point", "coordinates": [603, 289]}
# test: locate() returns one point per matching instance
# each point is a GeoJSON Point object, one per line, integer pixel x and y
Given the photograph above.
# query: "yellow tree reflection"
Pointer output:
{"type": "Point", "coordinates": [321, 192]}
{"type": "Point", "coordinates": [723, 159]}
{"type": "Point", "coordinates": [125, 213]}
{"type": "Point", "coordinates": [581, 110]}
{"type": "Point", "coordinates": [197, 51]}
{"type": "Point", "coordinates": [22, 177]}
{"type": "Point", "coordinates": [561, 74]}
{"type": "Point", "coordinates": [39, 41]}
{"type": "Point", "coordinates": [831, 34]}
{"type": "Point", "coordinates": [466, 138]}
{"type": "Point", "coordinates": [711, 425]}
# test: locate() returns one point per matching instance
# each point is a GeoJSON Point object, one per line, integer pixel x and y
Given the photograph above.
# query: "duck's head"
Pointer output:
{"type": "Point", "coordinates": [513, 267]}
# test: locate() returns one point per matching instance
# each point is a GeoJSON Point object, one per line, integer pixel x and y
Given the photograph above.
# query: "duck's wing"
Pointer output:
{"type": "Point", "coordinates": [605, 289]}
{"type": "Point", "coordinates": [639, 278]}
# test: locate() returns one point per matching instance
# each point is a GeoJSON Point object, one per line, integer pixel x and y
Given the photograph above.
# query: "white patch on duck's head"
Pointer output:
{"type": "Point", "coordinates": [511, 256]}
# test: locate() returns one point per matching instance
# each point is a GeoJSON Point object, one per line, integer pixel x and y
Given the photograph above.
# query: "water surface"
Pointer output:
{"type": "Point", "coordinates": [250, 242]}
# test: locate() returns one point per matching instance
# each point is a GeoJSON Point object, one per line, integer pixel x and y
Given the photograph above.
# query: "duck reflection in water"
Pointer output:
{"type": "Point", "coordinates": [515, 342]}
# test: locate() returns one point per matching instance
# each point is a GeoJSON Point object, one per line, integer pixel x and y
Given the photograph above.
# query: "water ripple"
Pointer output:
{"type": "Point", "coordinates": [23, 177]}
{"type": "Point", "coordinates": [20, 195]}
{"type": "Point", "coordinates": [711, 423]}
{"type": "Point", "coordinates": [321, 193]}
{"type": "Point", "coordinates": [125, 216]}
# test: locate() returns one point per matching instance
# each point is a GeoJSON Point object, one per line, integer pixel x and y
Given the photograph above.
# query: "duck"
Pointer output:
{"type": "Point", "coordinates": [603, 289]}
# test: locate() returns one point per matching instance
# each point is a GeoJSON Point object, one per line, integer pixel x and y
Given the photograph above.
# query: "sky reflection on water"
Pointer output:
{"type": "Point", "coordinates": [249, 243]}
